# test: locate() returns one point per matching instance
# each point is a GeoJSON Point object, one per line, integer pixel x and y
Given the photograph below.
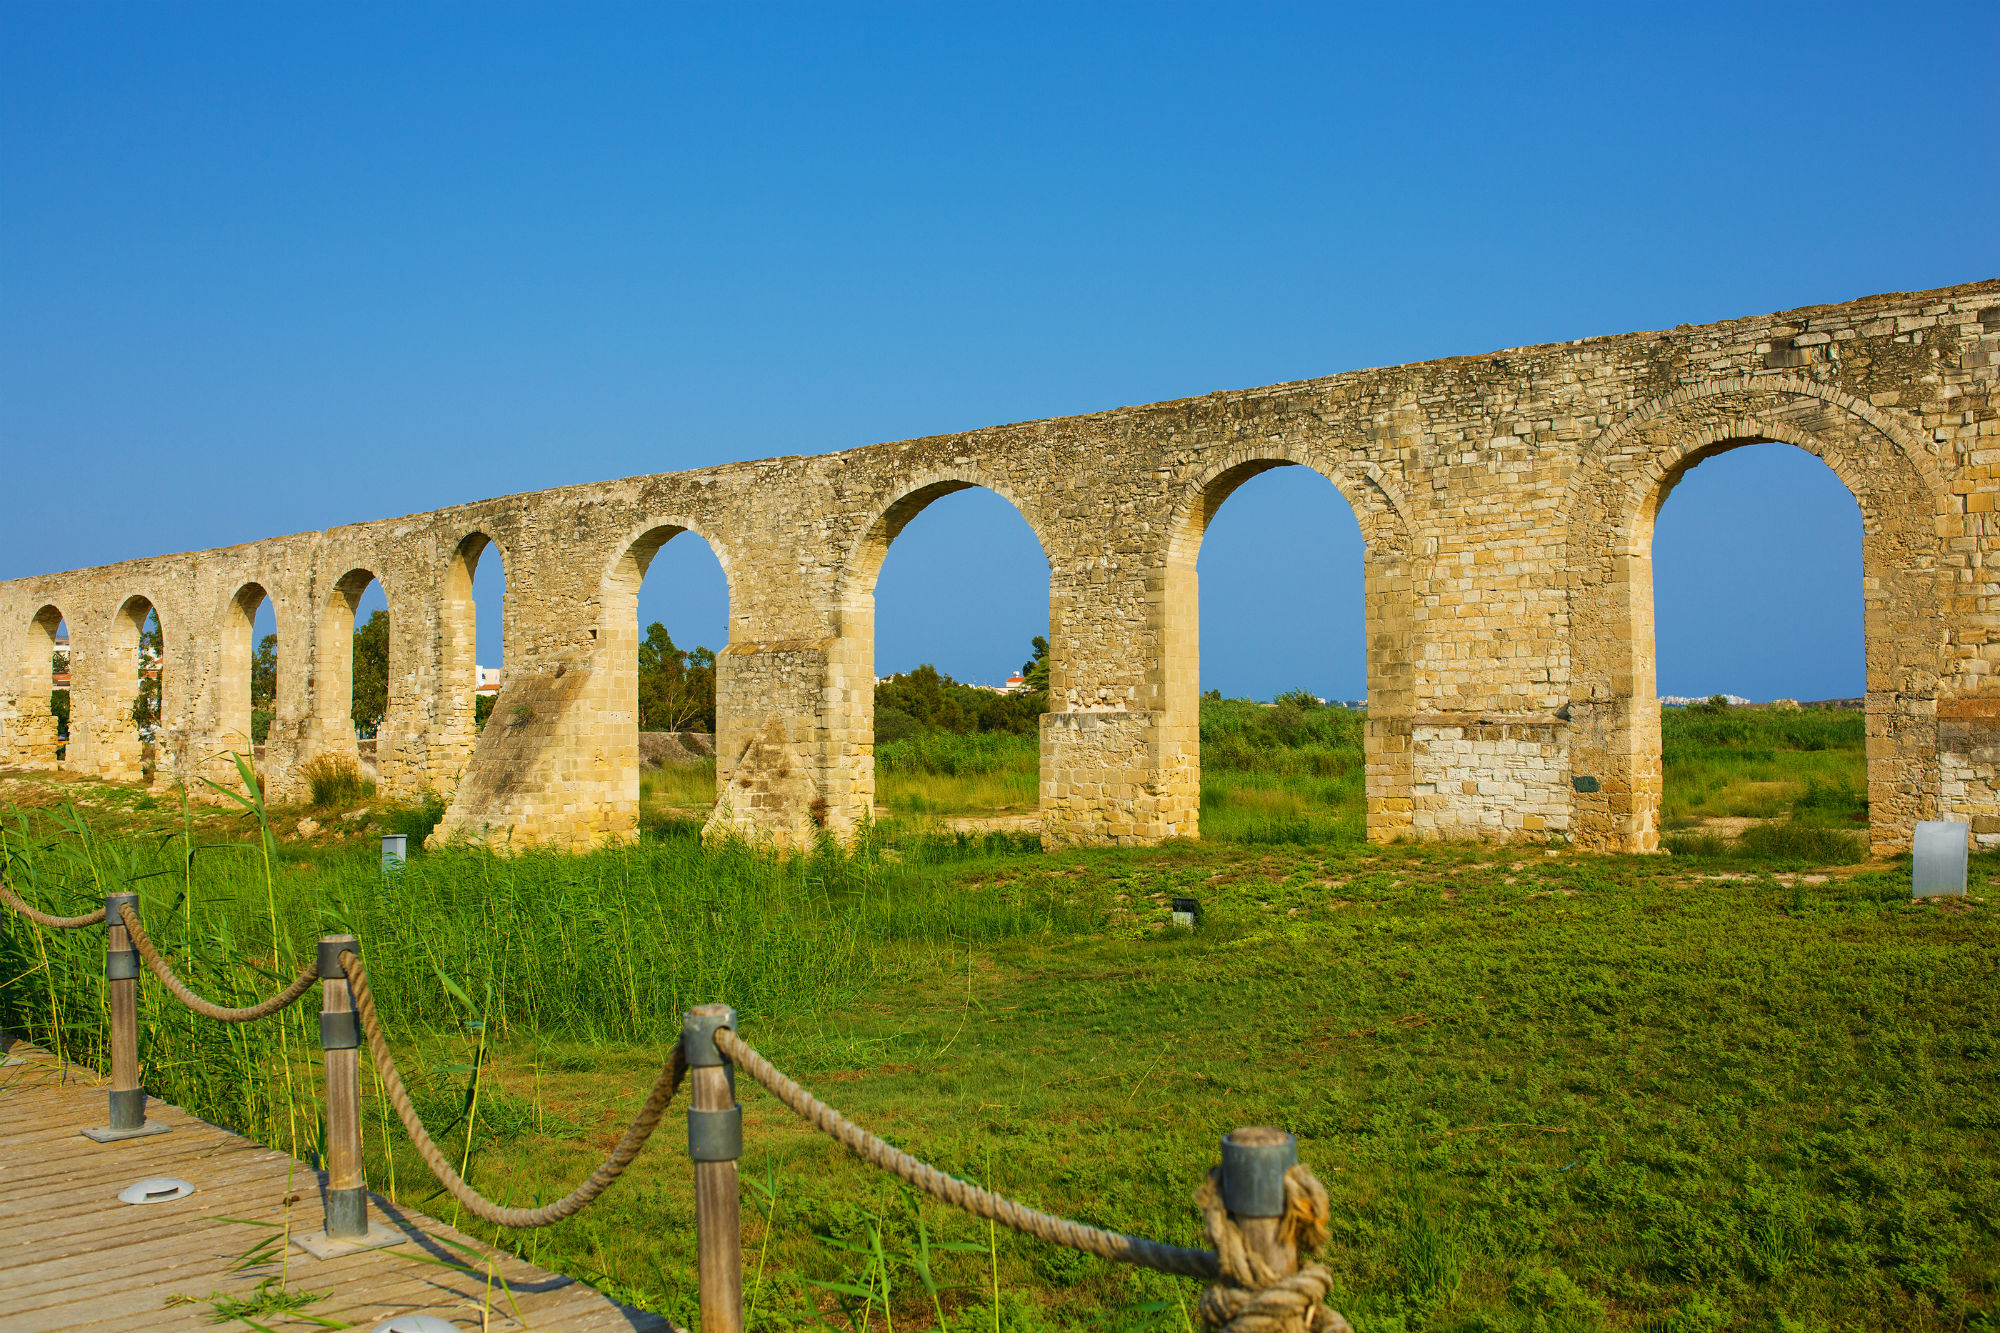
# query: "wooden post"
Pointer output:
{"type": "Point", "coordinates": [346, 1186]}
{"type": "Point", "coordinates": [348, 1227]}
{"type": "Point", "coordinates": [715, 1142]}
{"type": "Point", "coordinates": [121, 989]}
{"type": "Point", "coordinates": [1254, 1163]}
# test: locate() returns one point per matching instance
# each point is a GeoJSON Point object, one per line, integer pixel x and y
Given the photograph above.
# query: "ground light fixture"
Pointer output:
{"type": "Point", "coordinates": [1937, 859]}
{"type": "Point", "coordinates": [159, 1189]}
{"type": "Point", "coordinates": [395, 851]}
{"type": "Point", "coordinates": [1186, 912]}
{"type": "Point", "coordinates": [415, 1323]}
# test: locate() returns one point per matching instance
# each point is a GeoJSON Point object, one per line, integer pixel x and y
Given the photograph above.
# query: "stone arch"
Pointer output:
{"type": "Point", "coordinates": [862, 565]}
{"type": "Point", "coordinates": [1378, 506]}
{"type": "Point", "coordinates": [122, 751]}
{"type": "Point", "coordinates": [847, 778]}
{"type": "Point", "coordinates": [332, 723]}
{"type": "Point", "coordinates": [1612, 503]}
{"type": "Point", "coordinates": [39, 730]}
{"type": "Point", "coordinates": [237, 654]}
{"type": "Point", "coordinates": [617, 652]}
{"type": "Point", "coordinates": [458, 651]}
{"type": "Point", "coordinates": [1388, 590]}
{"type": "Point", "coordinates": [634, 552]}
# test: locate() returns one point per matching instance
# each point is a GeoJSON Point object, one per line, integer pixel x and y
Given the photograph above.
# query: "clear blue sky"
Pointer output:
{"type": "Point", "coordinates": [269, 268]}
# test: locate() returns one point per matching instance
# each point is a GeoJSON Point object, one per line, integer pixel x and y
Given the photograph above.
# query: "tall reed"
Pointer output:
{"type": "Point", "coordinates": [609, 946]}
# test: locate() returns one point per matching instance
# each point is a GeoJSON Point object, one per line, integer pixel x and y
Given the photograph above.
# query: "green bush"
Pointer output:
{"type": "Point", "coordinates": [959, 754]}
{"type": "Point", "coordinates": [415, 822]}
{"type": "Point", "coordinates": [336, 782]}
{"type": "Point", "coordinates": [1797, 840]}
{"type": "Point", "coordinates": [1296, 735]}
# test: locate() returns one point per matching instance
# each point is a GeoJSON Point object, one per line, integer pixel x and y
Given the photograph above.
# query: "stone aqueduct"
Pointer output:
{"type": "Point", "coordinates": [1506, 501]}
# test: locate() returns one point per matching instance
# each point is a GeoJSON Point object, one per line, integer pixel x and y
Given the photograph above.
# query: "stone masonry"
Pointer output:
{"type": "Point", "coordinates": [1507, 504]}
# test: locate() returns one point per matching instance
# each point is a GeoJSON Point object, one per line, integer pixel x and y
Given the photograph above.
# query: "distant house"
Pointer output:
{"type": "Point", "coordinates": [1016, 683]}
{"type": "Point", "coordinates": [489, 681]}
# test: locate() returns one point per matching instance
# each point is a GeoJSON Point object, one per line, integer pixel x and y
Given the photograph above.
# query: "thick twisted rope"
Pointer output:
{"type": "Point", "coordinates": [1250, 1295]}
{"type": "Point", "coordinates": [8, 897]}
{"type": "Point", "coordinates": [206, 1008]}
{"type": "Point", "coordinates": [958, 1193]}
{"type": "Point", "coordinates": [479, 1205]}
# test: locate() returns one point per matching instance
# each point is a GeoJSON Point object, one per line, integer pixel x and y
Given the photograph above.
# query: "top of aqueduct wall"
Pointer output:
{"type": "Point", "coordinates": [1362, 390]}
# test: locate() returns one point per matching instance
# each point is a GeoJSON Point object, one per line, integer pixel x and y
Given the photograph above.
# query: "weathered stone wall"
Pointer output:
{"type": "Point", "coordinates": [1506, 502]}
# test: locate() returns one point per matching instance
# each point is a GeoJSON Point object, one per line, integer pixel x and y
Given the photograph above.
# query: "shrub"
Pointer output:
{"type": "Point", "coordinates": [1813, 843]}
{"type": "Point", "coordinates": [1701, 846]}
{"type": "Point", "coordinates": [334, 780]}
{"type": "Point", "coordinates": [416, 822]}
{"type": "Point", "coordinates": [959, 755]}
{"type": "Point", "coordinates": [1297, 735]}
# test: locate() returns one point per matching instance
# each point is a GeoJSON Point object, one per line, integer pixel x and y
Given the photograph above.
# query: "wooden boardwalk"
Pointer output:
{"type": "Point", "coordinates": [72, 1257]}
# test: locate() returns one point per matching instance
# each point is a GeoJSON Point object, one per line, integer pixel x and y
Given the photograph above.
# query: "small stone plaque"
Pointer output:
{"type": "Point", "coordinates": [1937, 859]}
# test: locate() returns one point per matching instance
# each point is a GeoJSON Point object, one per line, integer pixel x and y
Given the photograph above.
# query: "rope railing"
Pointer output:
{"type": "Point", "coordinates": [479, 1205]}
{"type": "Point", "coordinates": [159, 967]}
{"type": "Point", "coordinates": [8, 897]}
{"type": "Point", "coordinates": [967, 1197]}
{"type": "Point", "coordinates": [1261, 1208]}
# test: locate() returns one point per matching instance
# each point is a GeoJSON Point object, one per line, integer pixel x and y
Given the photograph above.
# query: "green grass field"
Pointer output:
{"type": "Point", "coordinates": [1799, 776]}
{"type": "Point", "coordinates": [1547, 1091]}
{"type": "Point", "coordinates": [1726, 1089]}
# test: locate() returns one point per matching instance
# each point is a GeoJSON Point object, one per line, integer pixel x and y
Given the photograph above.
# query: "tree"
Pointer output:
{"type": "Point", "coordinates": [676, 689]}
{"type": "Point", "coordinates": [264, 673]}
{"type": "Point", "coordinates": [371, 674]}
{"type": "Point", "coordinates": [1036, 668]}
{"type": "Point", "coordinates": [263, 689]}
{"type": "Point", "coordinates": [925, 699]}
{"type": "Point", "coordinates": [152, 648]}
{"type": "Point", "coordinates": [59, 699]}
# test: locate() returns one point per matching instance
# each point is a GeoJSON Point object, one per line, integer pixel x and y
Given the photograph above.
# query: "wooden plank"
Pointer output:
{"type": "Point", "coordinates": [74, 1259]}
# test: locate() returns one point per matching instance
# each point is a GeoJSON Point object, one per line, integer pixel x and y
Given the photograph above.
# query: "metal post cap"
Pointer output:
{"type": "Point", "coordinates": [330, 949]}
{"type": "Point", "coordinates": [1254, 1162]}
{"type": "Point", "coordinates": [119, 964]}
{"type": "Point", "coordinates": [698, 1034]}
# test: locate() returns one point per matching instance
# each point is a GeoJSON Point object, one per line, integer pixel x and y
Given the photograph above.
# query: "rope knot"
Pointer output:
{"type": "Point", "coordinates": [1253, 1295]}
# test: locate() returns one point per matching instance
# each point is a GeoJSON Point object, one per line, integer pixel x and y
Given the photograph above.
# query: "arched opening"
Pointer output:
{"type": "Point", "coordinates": [136, 668]}
{"type": "Point", "coordinates": [247, 669]}
{"type": "Point", "coordinates": [45, 673]}
{"type": "Point", "coordinates": [1322, 735]}
{"type": "Point", "coordinates": [947, 613]}
{"type": "Point", "coordinates": [264, 672]}
{"type": "Point", "coordinates": [1278, 657]}
{"type": "Point", "coordinates": [1626, 475]}
{"type": "Point", "coordinates": [665, 618]}
{"type": "Point", "coordinates": [1759, 650]}
{"type": "Point", "coordinates": [474, 646]}
{"type": "Point", "coordinates": [353, 684]}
